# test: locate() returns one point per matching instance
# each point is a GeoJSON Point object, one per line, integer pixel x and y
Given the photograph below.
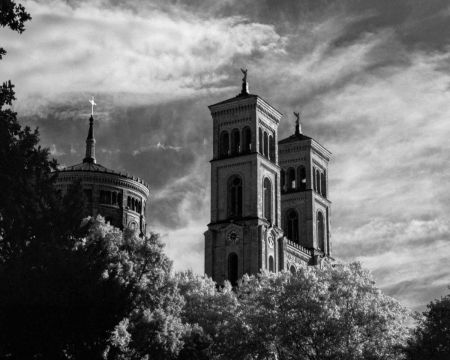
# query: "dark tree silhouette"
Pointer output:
{"type": "Point", "coordinates": [14, 16]}
{"type": "Point", "coordinates": [431, 339]}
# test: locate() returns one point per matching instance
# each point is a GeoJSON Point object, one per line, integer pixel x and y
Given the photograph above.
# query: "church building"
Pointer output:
{"type": "Point", "coordinates": [269, 197]}
{"type": "Point", "coordinates": [119, 197]}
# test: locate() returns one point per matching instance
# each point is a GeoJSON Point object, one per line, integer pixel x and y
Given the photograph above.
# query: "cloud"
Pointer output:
{"type": "Point", "coordinates": [371, 78]}
{"type": "Point", "coordinates": [157, 54]}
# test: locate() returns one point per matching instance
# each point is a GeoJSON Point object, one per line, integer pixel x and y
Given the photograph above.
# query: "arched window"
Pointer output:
{"type": "Point", "coordinates": [318, 181]}
{"type": "Point", "coordinates": [291, 225]}
{"type": "Point", "coordinates": [235, 142]}
{"type": "Point", "coordinates": [271, 267]}
{"type": "Point", "coordinates": [260, 139]}
{"type": "Point", "coordinates": [267, 199]}
{"type": "Point", "coordinates": [129, 202]}
{"type": "Point", "coordinates": [224, 143]}
{"type": "Point", "coordinates": [293, 270]}
{"type": "Point", "coordinates": [235, 196]}
{"type": "Point", "coordinates": [314, 179]}
{"type": "Point", "coordinates": [247, 139]}
{"type": "Point", "coordinates": [290, 179]}
{"type": "Point", "coordinates": [114, 198]}
{"type": "Point", "coordinates": [323, 181]}
{"type": "Point", "coordinates": [301, 178]}
{"type": "Point", "coordinates": [320, 231]}
{"type": "Point", "coordinates": [282, 180]}
{"type": "Point", "coordinates": [272, 148]}
{"type": "Point", "coordinates": [233, 268]}
{"type": "Point", "coordinates": [266, 145]}
{"type": "Point", "coordinates": [132, 225]}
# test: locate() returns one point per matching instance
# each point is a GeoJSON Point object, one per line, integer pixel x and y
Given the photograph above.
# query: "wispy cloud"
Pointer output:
{"type": "Point", "coordinates": [158, 54]}
{"type": "Point", "coordinates": [371, 78]}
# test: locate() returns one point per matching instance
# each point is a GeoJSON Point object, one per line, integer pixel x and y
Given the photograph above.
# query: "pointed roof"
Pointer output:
{"type": "Point", "coordinates": [295, 137]}
{"type": "Point", "coordinates": [241, 96]}
{"type": "Point", "coordinates": [90, 143]}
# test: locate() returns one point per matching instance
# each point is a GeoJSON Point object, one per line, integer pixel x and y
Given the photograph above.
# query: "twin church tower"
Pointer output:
{"type": "Point", "coordinates": [269, 197]}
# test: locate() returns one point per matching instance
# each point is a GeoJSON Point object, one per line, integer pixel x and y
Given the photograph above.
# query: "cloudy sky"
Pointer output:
{"type": "Point", "coordinates": [371, 78]}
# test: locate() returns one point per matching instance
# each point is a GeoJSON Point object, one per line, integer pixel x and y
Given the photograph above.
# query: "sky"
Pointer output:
{"type": "Point", "coordinates": [371, 79]}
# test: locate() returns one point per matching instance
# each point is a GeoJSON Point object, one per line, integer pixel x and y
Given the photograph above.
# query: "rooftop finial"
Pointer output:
{"type": "Point", "coordinates": [298, 126]}
{"type": "Point", "coordinates": [90, 141]}
{"type": "Point", "coordinates": [244, 82]}
{"type": "Point", "coordinates": [92, 104]}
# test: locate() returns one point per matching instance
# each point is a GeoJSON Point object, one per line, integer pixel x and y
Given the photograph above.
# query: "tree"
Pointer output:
{"type": "Point", "coordinates": [105, 295]}
{"type": "Point", "coordinates": [210, 313]}
{"type": "Point", "coordinates": [151, 327]}
{"type": "Point", "coordinates": [14, 16]}
{"type": "Point", "coordinates": [333, 312]}
{"type": "Point", "coordinates": [431, 338]}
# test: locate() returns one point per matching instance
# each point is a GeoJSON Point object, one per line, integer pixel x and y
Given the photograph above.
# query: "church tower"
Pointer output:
{"type": "Point", "coordinates": [269, 199]}
{"type": "Point", "coordinates": [245, 227]}
{"type": "Point", "coordinates": [305, 205]}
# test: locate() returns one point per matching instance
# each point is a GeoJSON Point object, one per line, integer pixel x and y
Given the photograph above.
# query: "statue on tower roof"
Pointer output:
{"type": "Point", "coordinates": [244, 90]}
{"type": "Point", "coordinates": [298, 129]}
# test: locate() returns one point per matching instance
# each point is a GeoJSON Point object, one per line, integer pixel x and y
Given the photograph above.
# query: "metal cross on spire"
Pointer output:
{"type": "Point", "coordinates": [93, 104]}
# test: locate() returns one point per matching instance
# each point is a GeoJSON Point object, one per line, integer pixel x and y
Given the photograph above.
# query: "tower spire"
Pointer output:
{"type": "Point", "coordinates": [90, 140]}
{"type": "Point", "coordinates": [244, 90]}
{"type": "Point", "coordinates": [298, 126]}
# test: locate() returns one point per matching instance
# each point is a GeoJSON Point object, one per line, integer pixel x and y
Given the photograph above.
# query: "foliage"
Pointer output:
{"type": "Point", "coordinates": [211, 312]}
{"type": "Point", "coordinates": [107, 290]}
{"type": "Point", "coordinates": [151, 327]}
{"type": "Point", "coordinates": [334, 312]}
{"type": "Point", "coordinates": [431, 339]}
{"type": "Point", "coordinates": [13, 16]}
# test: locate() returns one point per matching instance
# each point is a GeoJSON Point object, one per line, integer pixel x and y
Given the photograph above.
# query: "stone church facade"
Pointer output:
{"type": "Point", "coordinates": [119, 197]}
{"type": "Point", "coordinates": [269, 197]}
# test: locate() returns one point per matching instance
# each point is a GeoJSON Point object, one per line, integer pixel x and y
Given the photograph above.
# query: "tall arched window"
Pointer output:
{"type": "Point", "coordinates": [320, 231]}
{"type": "Point", "coordinates": [290, 179]}
{"type": "Point", "coordinates": [235, 142]}
{"type": "Point", "coordinates": [318, 181]}
{"type": "Point", "coordinates": [314, 179]}
{"type": "Point", "coordinates": [247, 139]}
{"type": "Point", "coordinates": [260, 139]}
{"type": "Point", "coordinates": [271, 266]}
{"type": "Point", "coordinates": [291, 225]}
{"type": "Point", "coordinates": [301, 178]}
{"type": "Point", "coordinates": [224, 143]}
{"type": "Point", "coordinates": [267, 199]}
{"type": "Point", "coordinates": [271, 148]}
{"type": "Point", "coordinates": [323, 181]}
{"type": "Point", "coordinates": [282, 180]}
{"type": "Point", "coordinates": [266, 145]}
{"type": "Point", "coordinates": [235, 196]}
{"type": "Point", "coordinates": [233, 269]}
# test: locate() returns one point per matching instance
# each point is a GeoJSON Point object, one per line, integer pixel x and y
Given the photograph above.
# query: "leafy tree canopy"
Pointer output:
{"type": "Point", "coordinates": [431, 339]}
{"type": "Point", "coordinates": [333, 312]}
{"type": "Point", "coordinates": [14, 16]}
